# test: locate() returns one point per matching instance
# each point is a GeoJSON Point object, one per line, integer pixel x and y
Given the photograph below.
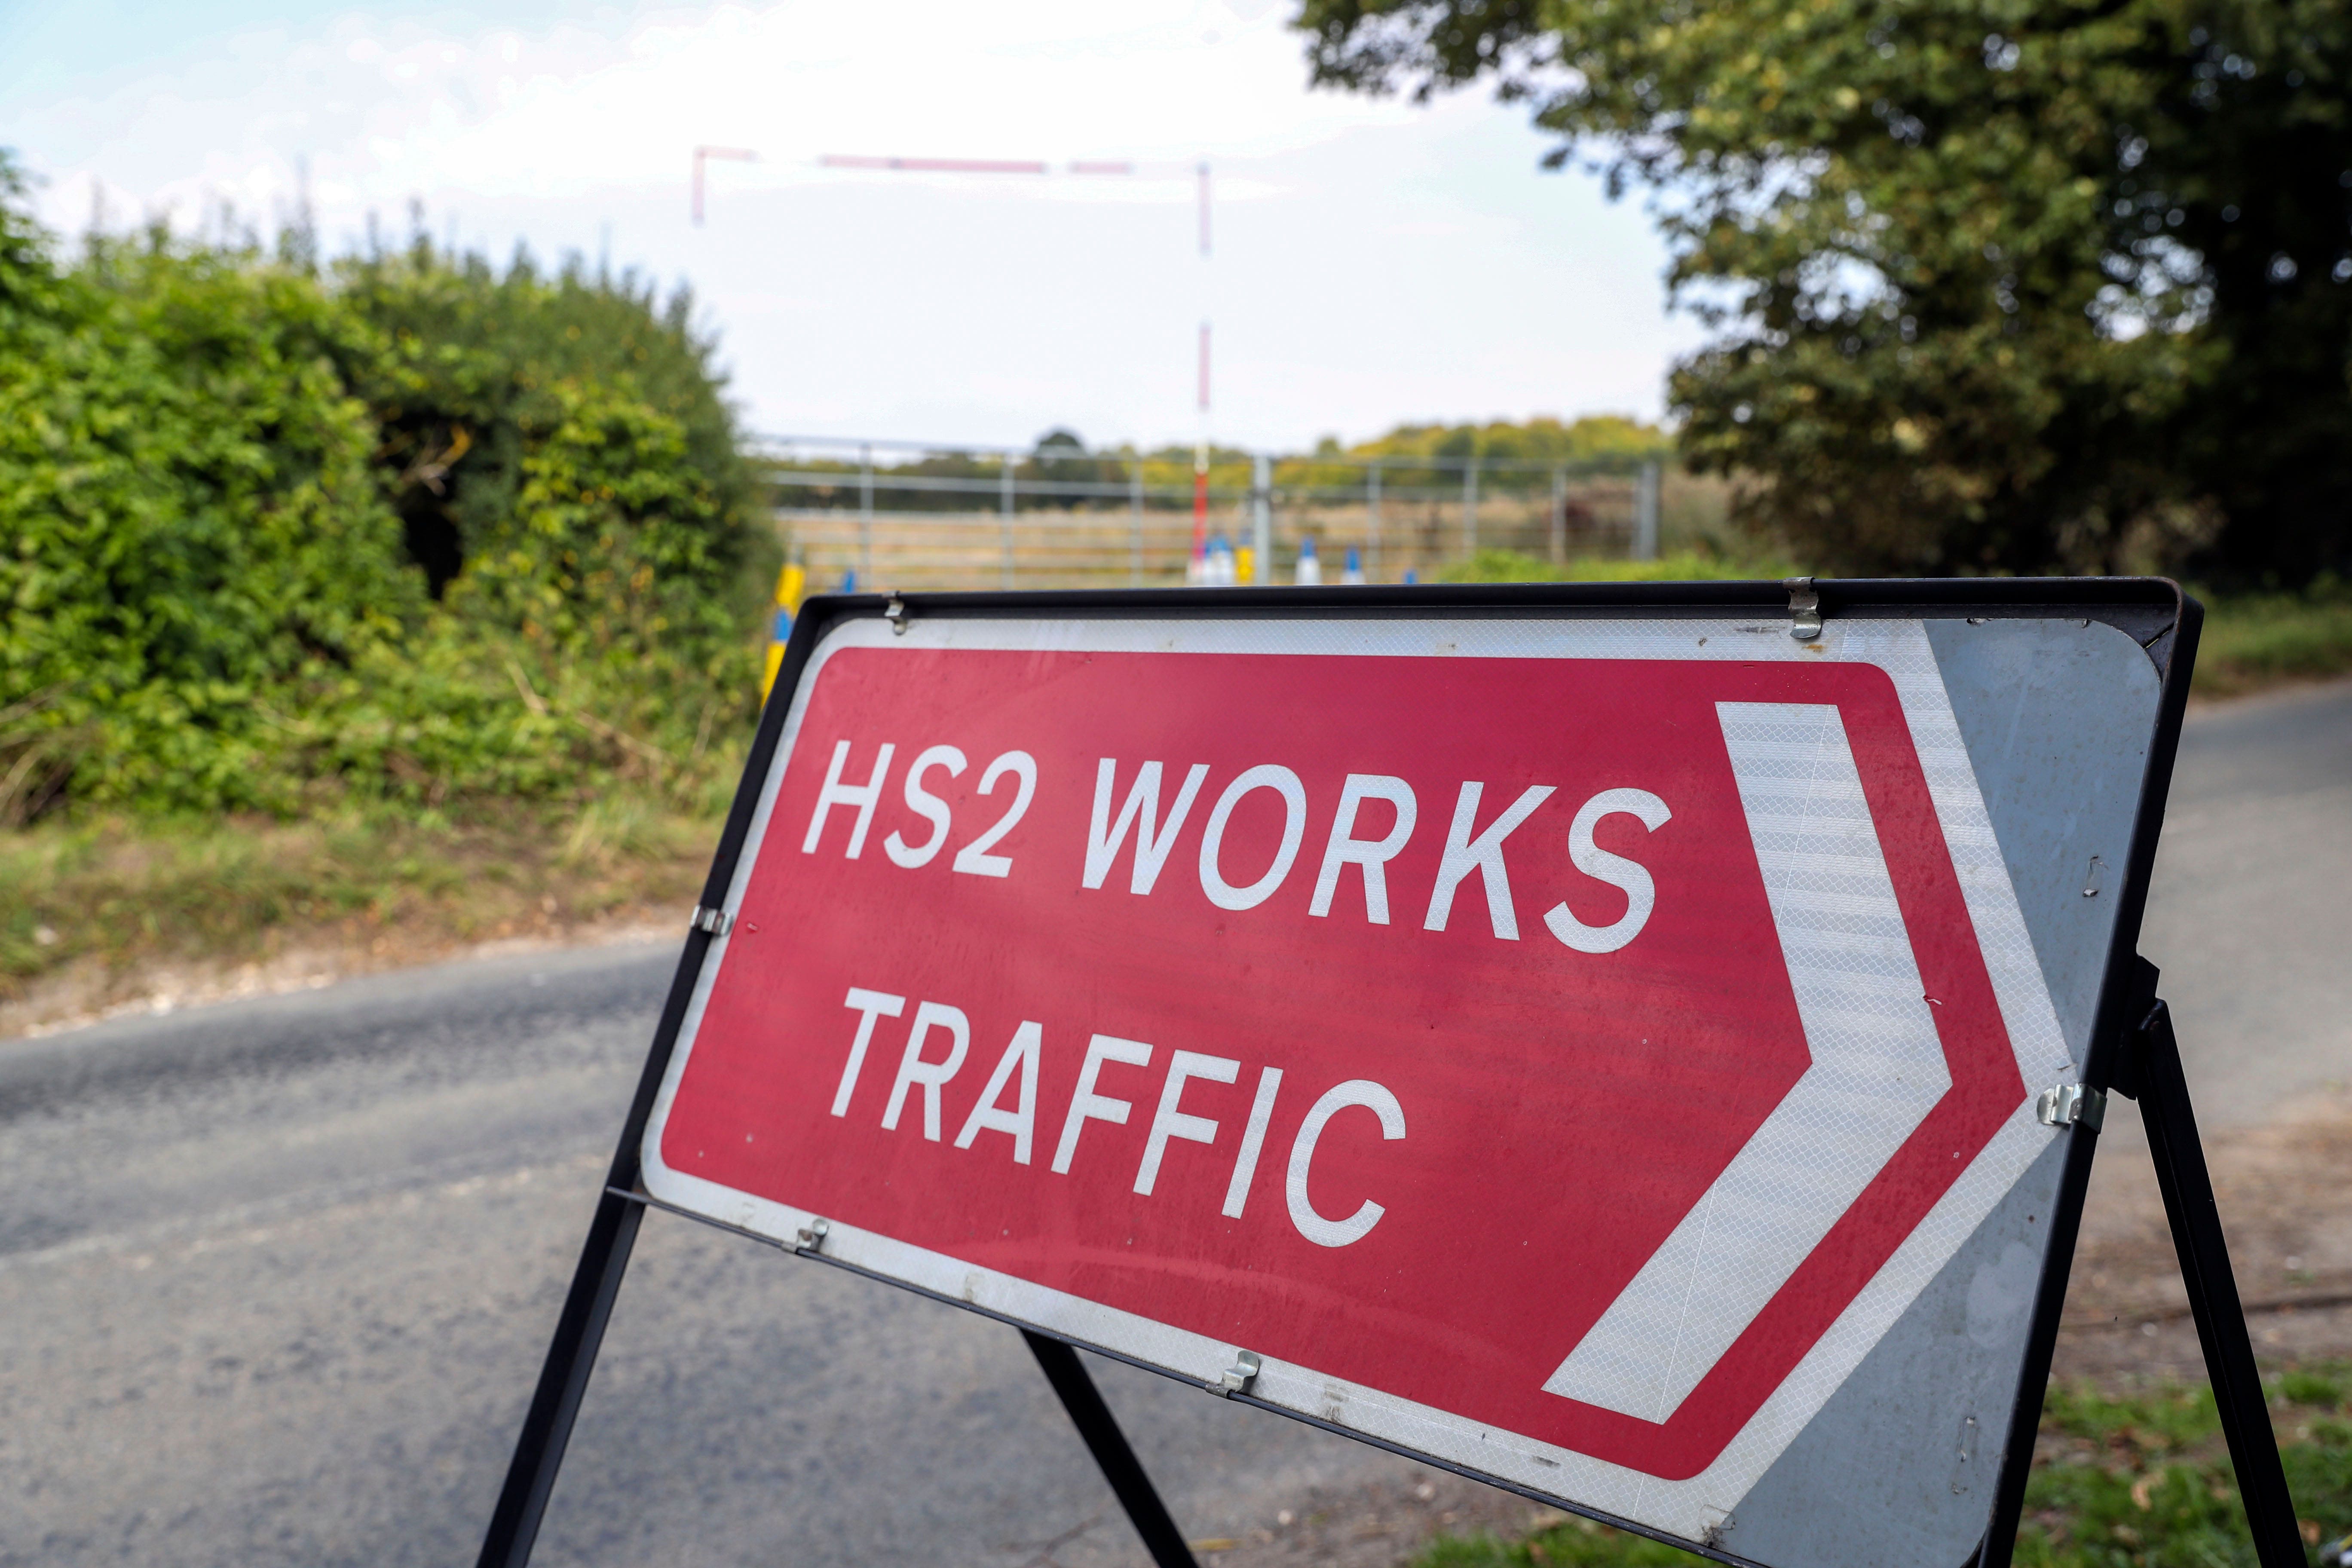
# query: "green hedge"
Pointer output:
{"type": "Point", "coordinates": [404, 530]}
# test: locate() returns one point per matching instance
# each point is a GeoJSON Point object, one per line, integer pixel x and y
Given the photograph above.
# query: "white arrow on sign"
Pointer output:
{"type": "Point", "coordinates": [1877, 1069]}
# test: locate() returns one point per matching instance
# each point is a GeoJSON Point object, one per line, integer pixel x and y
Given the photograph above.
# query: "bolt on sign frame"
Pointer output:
{"type": "Point", "coordinates": [1728, 1200]}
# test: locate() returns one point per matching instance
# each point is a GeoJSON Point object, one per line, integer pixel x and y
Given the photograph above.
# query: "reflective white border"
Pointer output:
{"type": "Point", "coordinates": [1688, 1508]}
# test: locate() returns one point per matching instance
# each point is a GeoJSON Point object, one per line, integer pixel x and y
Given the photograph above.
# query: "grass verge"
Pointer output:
{"type": "Point", "coordinates": [2255, 640]}
{"type": "Point", "coordinates": [94, 904]}
{"type": "Point", "coordinates": [103, 901]}
{"type": "Point", "coordinates": [2135, 1481]}
{"type": "Point", "coordinates": [1685, 566]}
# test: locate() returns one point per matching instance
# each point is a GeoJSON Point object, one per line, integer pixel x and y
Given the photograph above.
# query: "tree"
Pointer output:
{"type": "Point", "coordinates": [1061, 458]}
{"type": "Point", "coordinates": [1996, 286]}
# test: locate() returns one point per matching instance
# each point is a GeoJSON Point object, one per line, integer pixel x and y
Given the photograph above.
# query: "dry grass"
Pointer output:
{"type": "Point", "coordinates": [92, 911]}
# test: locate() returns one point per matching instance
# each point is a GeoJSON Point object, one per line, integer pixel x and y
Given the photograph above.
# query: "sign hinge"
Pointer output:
{"type": "Point", "coordinates": [895, 612]}
{"type": "Point", "coordinates": [2069, 1105]}
{"type": "Point", "coordinates": [718, 923]}
{"type": "Point", "coordinates": [1238, 1377]}
{"type": "Point", "coordinates": [811, 1237]}
{"type": "Point", "coordinates": [1804, 608]}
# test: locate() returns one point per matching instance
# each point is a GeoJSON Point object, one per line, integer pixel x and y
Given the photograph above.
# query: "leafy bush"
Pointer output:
{"type": "Point", "coordinates": [470, 366]}
{"type": "Point", "coordinates": [192, 518]}
{"type": "Point", "coordinates": [615, 549]}
{"type": "Point", "coordinates": [232, 488]}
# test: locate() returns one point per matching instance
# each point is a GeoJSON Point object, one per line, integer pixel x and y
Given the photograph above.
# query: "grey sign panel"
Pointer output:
{"type": "Point", "coordinates": [2060, 719]}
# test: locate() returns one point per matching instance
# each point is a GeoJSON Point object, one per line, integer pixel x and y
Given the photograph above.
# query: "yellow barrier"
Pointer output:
{"type": "Point", "coordinates": [791, 585]}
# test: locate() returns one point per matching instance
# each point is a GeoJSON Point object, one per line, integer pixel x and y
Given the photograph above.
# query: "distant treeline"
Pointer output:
{"type": "Point", "coordinates": [283, 533]}
{"type": "Point", "coordinates": [1511, 458]}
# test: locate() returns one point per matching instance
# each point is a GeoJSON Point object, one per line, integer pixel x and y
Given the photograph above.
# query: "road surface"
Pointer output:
{"type": "Point", "coordinates": [275, 1277]}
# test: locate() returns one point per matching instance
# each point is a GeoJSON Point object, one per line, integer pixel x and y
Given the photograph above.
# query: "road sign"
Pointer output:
{"type": "Point", "coordinates": [1627, 1051]}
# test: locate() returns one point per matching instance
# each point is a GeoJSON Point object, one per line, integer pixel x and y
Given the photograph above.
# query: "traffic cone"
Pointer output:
{"type": "Point", "coordinates": [1352, 574]}
{"type": "Point", "coordinates": [1310, 573]}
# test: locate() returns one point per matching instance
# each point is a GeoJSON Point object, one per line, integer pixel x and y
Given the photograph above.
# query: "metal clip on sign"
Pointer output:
{"type": "Point", "coordinates": [2070, 1104]}
{"type": "Point", "coordinates": [1236, 1378]}
{"type": "Point", "coordinates": [1296, 791]}
{"type": "Point", "coordinates": [1804, 609]}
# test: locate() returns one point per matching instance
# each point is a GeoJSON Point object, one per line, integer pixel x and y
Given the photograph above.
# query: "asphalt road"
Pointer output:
{"type": "Point", "coordinates": [2251, 914]}
{"type": "Point", "coordinates": [275, 1277]}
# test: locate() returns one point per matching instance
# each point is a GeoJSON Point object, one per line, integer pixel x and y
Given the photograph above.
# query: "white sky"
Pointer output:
{"type": "Point", "coordinates": [1374, 261]}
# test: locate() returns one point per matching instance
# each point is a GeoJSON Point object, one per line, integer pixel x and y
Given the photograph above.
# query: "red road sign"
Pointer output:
{"type": "Point", "coordinates": [1593, 1049]}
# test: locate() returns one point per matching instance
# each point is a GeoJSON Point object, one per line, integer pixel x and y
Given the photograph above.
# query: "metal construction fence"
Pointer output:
{"type": "Point", "coordinates": [893, 514]}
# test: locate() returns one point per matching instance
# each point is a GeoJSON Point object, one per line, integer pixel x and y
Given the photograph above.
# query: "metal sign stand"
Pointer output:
{"type": "Point", "coordinates": [2147, 1067]}
{"type": "Point", "coordinates": [2213, 1294]}
{"type": "Point", "coordinates": [1108, 1443]}
{"type": "Point", "coordinates": [2150, 1072]}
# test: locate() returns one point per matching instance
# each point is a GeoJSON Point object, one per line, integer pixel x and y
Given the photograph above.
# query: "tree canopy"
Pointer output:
{"type": "Point", "coordinates": [1995, 286]}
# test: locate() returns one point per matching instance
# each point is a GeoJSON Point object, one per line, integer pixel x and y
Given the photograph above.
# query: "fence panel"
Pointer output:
{"type": "Point", "coordinates": [950, 520]}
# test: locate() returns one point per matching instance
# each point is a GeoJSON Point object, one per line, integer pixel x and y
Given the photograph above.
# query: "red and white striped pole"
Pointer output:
{"type": "Point", "coordinates": [1201, 466]}
{"type": "Point", "coordinates": [1198, 569]}
{"type": "Point", "coordinates": [907, 166]}
{"type": "Point", "coordinates": [703, 155]}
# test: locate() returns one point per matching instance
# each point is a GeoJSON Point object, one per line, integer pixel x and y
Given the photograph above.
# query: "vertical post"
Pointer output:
{"type": "Point", "coordinates": [1135, 523]}
{"type": "Point", "coordinates": [702, 155]}
{"type": "Point", "coordinates": [1470, 507]}
{"type": "Point", "coordinates": [1372, 518]}
{"type": "Point", "coordinates": [1558, 517]}
{"type": "Point", "coordinates": [1262, 519]}
{"type": "Point", "coordinates": [1645, 513]}
{"type": "Point", "coordinates": [1198, 569]}
{"type": "Point", "coordinates": [1005, 525]}
{"type": "Point", "coordinates": [865, 515]}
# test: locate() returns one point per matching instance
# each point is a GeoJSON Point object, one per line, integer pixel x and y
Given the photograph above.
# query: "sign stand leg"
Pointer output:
{"type": "Point", "coordinates": [1109, 1444]}
{"type": "Point", "coordinates": [571, 1356]}
{"type": "Point", "coordinates": [2162, 1091]}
